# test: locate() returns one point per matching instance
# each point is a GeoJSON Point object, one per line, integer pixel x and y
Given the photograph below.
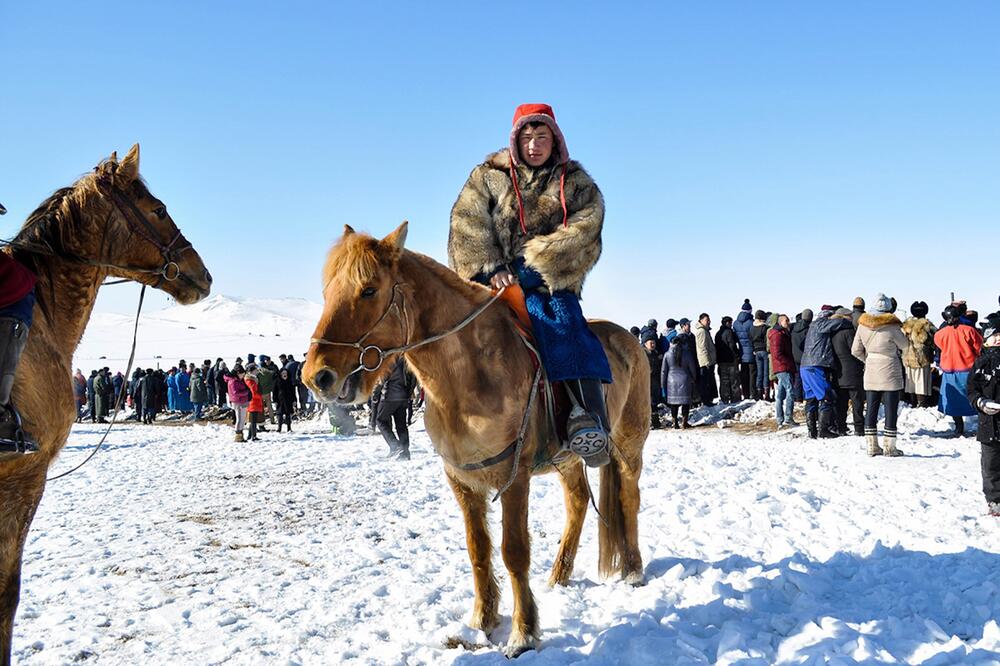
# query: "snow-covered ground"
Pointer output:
{"type": "Point", "coordinates": [177, 545]}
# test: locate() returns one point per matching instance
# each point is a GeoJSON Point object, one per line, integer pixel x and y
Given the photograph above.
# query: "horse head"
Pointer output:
{"type": "Point", "coordinates": [363, 316]}
{"type": "Point", "coordinates": [134, 237]}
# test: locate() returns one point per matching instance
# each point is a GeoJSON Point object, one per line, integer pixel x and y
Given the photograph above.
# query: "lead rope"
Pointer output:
{"type": "Point", "coordinates": [121, 396]}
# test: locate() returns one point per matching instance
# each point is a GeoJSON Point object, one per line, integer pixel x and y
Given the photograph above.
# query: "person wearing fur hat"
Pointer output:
{"type": "Point", "coordinates": [960, 346]}
{"type": "Point", "coordinates": [650, 343]}
{"type": "Point", "coordinates": [984, 395]}
{"type": "Point", "coordinates": [530, 215]}
{"type": "Point", "coordinates": [728, 354]}
{"type": "Point", "coordinates": [817, 373]}
{"type": "Point", "coordinates": [919, 354]}
{"type": "Point", "coordinates": [878, 343]}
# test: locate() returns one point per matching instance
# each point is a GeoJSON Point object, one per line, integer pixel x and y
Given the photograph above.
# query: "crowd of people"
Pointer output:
{"type": "Point", "coordinates": [252, 393]}
{"type": "Point", "coordinates": [841, 363]}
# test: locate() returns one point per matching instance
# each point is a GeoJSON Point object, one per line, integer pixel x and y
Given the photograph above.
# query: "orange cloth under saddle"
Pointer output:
{"type": "Point", "coordinates": [513, 296]}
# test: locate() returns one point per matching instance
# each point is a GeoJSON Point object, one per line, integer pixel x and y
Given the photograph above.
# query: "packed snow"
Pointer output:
{"type": "Point", "coordinates": [178, 545]}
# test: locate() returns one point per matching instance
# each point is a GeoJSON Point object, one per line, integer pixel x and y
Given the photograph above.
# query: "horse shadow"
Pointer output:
{"type": "Point", "coordinates": [891, 606]}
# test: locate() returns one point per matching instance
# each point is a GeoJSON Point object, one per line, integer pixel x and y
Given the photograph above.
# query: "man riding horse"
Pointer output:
{"type": "Point", "coordinates": [17, 302]}
{"type": "Point", "coordinates": [529, 215]}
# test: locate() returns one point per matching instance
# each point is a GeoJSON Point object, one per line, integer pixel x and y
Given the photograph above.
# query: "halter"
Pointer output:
{"type": "Point", "coordinates": [400, 311]}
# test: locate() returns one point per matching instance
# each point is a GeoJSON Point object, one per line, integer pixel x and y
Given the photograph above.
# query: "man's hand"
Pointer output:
{"type": "Point", "coordinates": [988, 407]}
{"type": "Point", "coordinates": [503, 279]}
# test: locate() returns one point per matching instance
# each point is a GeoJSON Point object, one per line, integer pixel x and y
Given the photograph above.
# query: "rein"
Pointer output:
{"type": "Point", "coordinates": [364, 349]}
{"type": "Point", "coordinates": [515, 448]}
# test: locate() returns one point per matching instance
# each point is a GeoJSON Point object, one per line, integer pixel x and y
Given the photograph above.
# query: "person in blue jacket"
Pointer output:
{"type": "Point", "coordinates": [748, 368]}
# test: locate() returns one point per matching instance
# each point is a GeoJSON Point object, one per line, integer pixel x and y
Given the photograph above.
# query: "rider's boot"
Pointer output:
{"type": "Point", "coordinates": [13, 338]}
{"type": "Point", "coordinates": [588, 424]}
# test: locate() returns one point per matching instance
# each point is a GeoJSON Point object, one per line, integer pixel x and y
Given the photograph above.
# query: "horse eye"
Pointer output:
{"type": "Point", "coordinates": [368, 292]}
{"type": "Point", "coordinates": [161, 212]}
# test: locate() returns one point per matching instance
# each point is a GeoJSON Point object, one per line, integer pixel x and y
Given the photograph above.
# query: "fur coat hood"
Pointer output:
{"type": "Point", "coordinates": [485, 233]}
{"type": "Point", "coordinates": [875, 321]}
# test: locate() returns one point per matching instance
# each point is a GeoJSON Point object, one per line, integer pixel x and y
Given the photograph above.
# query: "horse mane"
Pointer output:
{"type": "Point", "coordinates": [357, 258]}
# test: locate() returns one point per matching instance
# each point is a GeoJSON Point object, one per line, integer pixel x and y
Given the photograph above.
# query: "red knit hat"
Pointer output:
{"type": "Point", "coordinates": [537, 113]}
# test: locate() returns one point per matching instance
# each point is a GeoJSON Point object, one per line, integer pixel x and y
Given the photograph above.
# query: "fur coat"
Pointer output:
{"type": "Point", "coordinates": [878, 343]}
{"type": "Point", "coordinates": [920, 352]}
{"type": "Point", "coordinates": [485, 230]}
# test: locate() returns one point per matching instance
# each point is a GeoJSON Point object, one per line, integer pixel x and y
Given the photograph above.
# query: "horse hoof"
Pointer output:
{"type": "Point", "coordinates": [516, 647]}
{"type": "Point", "coordinates": [635, 579]}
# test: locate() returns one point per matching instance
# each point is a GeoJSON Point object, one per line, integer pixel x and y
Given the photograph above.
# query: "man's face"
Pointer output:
{"type": "Point", "coordinates": [535, 144]}
{"type": "Point", "coordinates": [650, 345]}
{"type": "Point", "coordinates": [706, 321]}
{"type": "Point", "coordinates": [685, 328]}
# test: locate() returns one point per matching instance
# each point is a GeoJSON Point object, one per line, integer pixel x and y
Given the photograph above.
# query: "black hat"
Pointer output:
{"type": "Point", "coordinates": [684, 321]}
{"type": "Point", "coordinates": [648, 335]}
{"type": "Point", "coordinates": [746, 307]}
{"type": "Point", "coordinates": [634, 331]}
{"type": "Point", "coordinates": [919, 309]}
{"type": "Point", "coordinates": [671, 323]}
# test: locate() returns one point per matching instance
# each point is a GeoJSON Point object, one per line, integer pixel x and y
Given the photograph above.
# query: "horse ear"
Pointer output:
{"type": "Point", "coordinates": [129, 167]}
{"type": "Point", "coordinates": [348, 230]}
{"type": "Point", "coordinates": [397, 238]}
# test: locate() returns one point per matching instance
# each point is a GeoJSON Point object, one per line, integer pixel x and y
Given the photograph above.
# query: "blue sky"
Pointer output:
{"type": "Point", "coordinates": [792, 153]}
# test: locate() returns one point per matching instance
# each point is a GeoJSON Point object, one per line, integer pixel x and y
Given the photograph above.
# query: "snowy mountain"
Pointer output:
{"type": "Point", "coordinates": [220, 326]}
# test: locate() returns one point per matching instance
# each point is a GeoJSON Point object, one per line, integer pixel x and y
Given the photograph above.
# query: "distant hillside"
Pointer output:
{"type": "Point", "coordinates": [220, 326]}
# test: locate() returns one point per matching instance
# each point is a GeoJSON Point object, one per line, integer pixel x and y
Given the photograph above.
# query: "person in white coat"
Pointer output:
{"type": "Point", "coordinates": [878, 344]}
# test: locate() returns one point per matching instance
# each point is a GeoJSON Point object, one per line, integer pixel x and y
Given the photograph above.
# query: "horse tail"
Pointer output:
{"type": "Point", "coordinates": [611, 522]}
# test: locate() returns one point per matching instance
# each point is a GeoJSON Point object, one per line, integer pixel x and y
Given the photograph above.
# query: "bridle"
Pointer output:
{"type": "Point", "coordinates": [400, 310]}
{"type": "Point", "coordinates": [136, 222]}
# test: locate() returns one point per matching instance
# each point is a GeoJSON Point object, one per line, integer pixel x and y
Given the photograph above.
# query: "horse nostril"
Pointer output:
{"type": "Point", "coordinates": [324, 379]}
{"type": "Point", "coordinates": [208, 277]}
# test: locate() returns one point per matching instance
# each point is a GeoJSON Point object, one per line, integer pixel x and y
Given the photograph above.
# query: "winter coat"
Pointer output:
{"type": "Point", "coordinates": [237, 390]}
{"type": "Point", "coordinates": [486, 235]}
{"type": "Point", "coordinates": [780, 340]}
{"type": "Point", "coordinates": [742, 326]}
{"type": "Point", "coordinates": [878, 343]}
{"type": "Point", "coordinates": [256, 405]}
{"type": "Point", "coordinates": [265, 378]}
{"type": "Point", "coordinates": [183, 403]}
{"type": "Point", "coordinates": [80, 389]}
{"type": "Point", "coordinates": [284, 394]}
{"type": "Point", "coordinates": [919, 332]}
{"type": "Point", "coordinates": [799, 331]}
{"type": "Point", "coordinates": [148, 393]}
{"type": "Point", "coordinates": [848, 371]}
{"type": "Point", "coordinates": [727, 346]}
{"type": "Point", "coordinates": [399, 385]}
{"type": "Point", "coordinates": [199, 390]}
{"type": "Point", "coordinates": [758, 336]}
{"type": "Point", "coordinates": [704, 345]}
{"type": "Point", "coordinates": [679, 374]}
{"type": "Point", "coordinates": [960, 346]}
{"type": "Point", "coordinates": [655, 367]}
{"type": "Point", "coordinates": [818, 347]}
{"type": "Point", "coordinates": [984, 382]}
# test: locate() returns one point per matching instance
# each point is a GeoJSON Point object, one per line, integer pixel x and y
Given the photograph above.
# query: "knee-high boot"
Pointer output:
{"type": "Point", "coordinates": [588, 426]}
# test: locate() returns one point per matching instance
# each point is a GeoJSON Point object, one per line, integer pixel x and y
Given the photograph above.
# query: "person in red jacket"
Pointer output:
{"type": "Point", "coordinates": [960, 346]}
{"type": "Point", "coordinates": [783, 365]}
{"type": "Point", "coordinates": [256, 407]}
{"type": "Point", "coordinates": [17, 303]}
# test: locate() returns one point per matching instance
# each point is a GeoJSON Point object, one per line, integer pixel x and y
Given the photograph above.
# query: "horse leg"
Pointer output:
{"type": "Point", "coordinates": [477, 540]}
{"type": "Point", "coordinates": [576, 496]}
{"type": "Point", "coordinates": [19, 497]}
{"type": "Point", "coordinates": [632, 572]}
{"type": "Point", "coordinates": [517, 556]}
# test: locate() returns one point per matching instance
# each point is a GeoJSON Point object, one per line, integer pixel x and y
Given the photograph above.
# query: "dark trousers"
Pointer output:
{"type": "Point", "coordinates": [222, 398]}
{"type": "Point", "coordinates": [891, 401]}
{"type": "Point", "coordinates": [284, 417]}
{"type": "Point", "coordinates": [991, 470]}
{"type": "Point", "coordinates": [254, 418]}
{"type": "Point", "coordinates": [706, 384]}
{"type": "Point", "coordinates": [748, 378]}
{"type": "Point", "coordinates": [856, 397]}
{"type": "Point", "coordinates": [391, 412]}
{"type": "Point", "coordinates": [729, 382]}
{"type": "Point", "coordinates": [798, 394]}
{"type": "Point", "coordinates": [763, 364]}
{"type": "Point", "coordinates": [685, 412]}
